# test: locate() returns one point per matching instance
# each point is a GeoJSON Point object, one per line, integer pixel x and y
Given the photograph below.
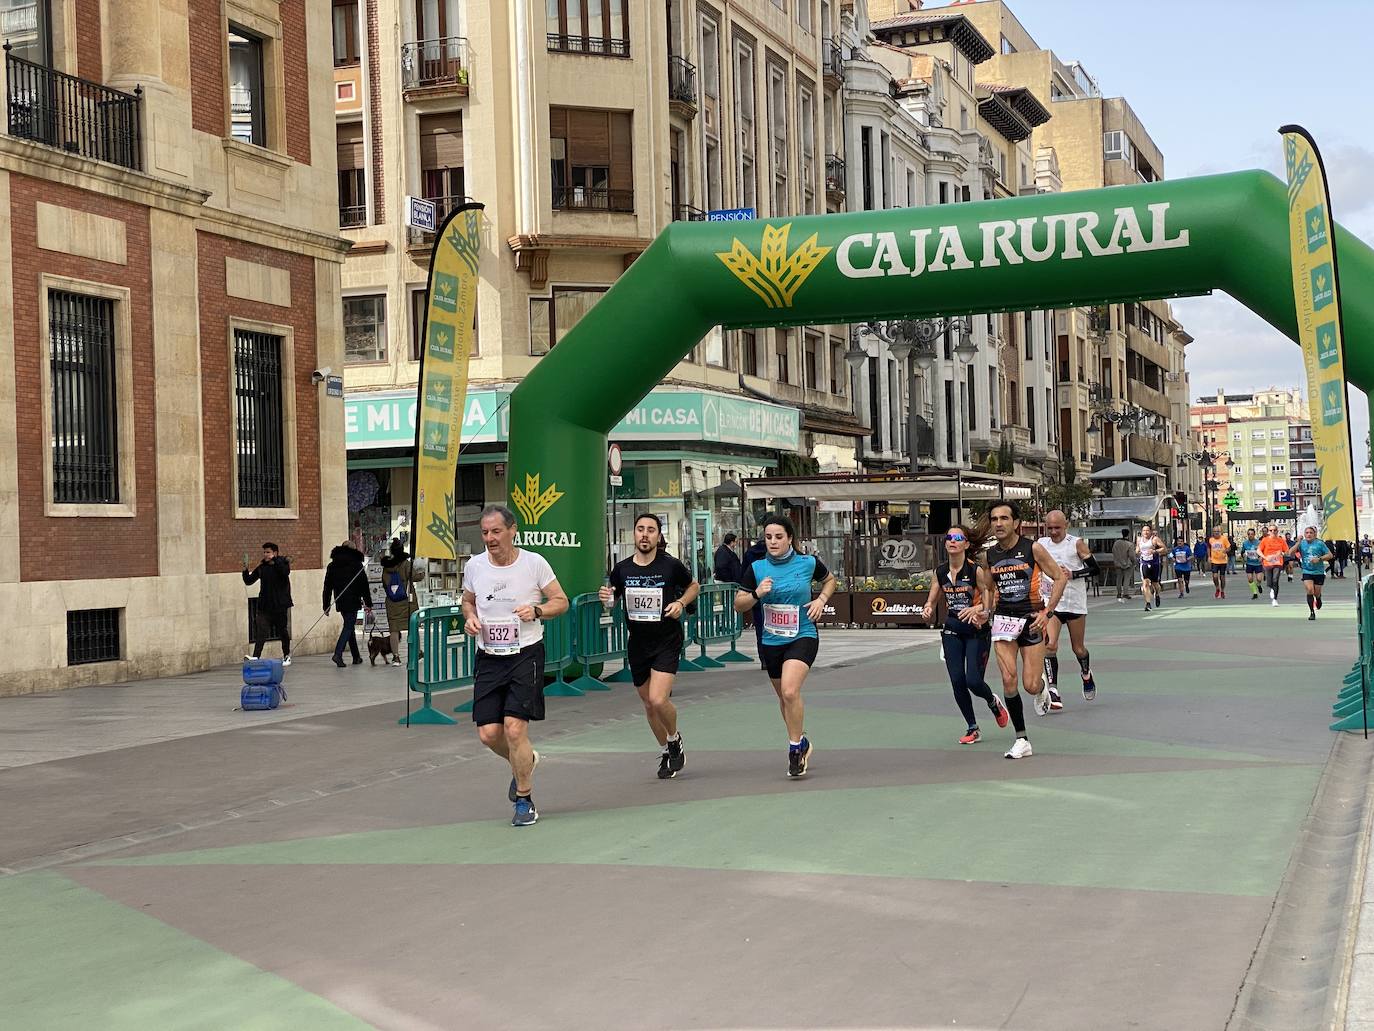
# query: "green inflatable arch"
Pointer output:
{"type": "Point", "coordinates": [1158, 240]}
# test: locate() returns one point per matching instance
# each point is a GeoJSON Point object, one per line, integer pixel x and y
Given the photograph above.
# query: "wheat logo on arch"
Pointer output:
{"type": "Point", "coordinates": [530, 502]}
{"type": "Point", "coordinates": [775, 275]}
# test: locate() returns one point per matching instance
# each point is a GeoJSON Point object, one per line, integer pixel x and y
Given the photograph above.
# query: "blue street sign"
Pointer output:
{"type": "Point", "coordinates": [731, 215]}
{"type": "Point", "coordinates": [1283, 496]}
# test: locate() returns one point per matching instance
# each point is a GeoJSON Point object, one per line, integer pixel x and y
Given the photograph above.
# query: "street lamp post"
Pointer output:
{"type": "Point", "coordinates": [1208, 462]}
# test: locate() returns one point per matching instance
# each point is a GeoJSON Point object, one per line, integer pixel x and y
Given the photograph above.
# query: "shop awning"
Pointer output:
{"type": "Point", "coordinates": [944, 488]}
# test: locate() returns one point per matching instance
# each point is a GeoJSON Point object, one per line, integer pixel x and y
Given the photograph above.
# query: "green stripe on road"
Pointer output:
{"type": "Point", "coordinates": [1215, 831]}
{"type": "Point", "coordinates": [119, 969]}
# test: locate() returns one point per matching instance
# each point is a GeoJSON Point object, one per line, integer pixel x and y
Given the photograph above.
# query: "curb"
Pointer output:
{"type": "Point", "coordinates": [1299, 974]}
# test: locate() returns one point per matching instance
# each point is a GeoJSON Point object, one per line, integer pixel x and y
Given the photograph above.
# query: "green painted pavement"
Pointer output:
{"type": "Point", "coordinates": [118, 969]}
{"type": "Point", "coordinates": [726, 726]}
{"type": "Point", "coordinates": [1214, 831]}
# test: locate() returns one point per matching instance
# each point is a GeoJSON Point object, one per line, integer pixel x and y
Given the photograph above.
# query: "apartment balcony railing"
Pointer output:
{"type": "Point", "coordinates": [591, 198]}
{"type": "Point", "coordinates": [601, 46]}
{"type": "Point", "coordinates": [682, 84]}
{"type": "Point", "coordinates": [442, 206]}
{"type": "Point", "coordinates": [435, 63]}
{"type": "Point", "coordinates": [832, 62]}
{"type": "Point", "coordinates": [71, 114]}
{"type": "Point", "coordinates": [352, 216]}
{"type": "Point", "coordinates": [834, 176]}
{"type": "Point", "coordinates": [688, 213]}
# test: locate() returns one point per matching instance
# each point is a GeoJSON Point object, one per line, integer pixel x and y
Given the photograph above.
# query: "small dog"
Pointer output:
{"type": "Point", "coordinates": [378, 644]}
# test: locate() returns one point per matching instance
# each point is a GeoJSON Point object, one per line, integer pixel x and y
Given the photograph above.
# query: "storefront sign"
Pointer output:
{"type": "Point", "coordinates": [388, 420]}
{"type": "Point", "coordinates": [837, 610]}
{"type": "Point", "coordinates": [900, 607]}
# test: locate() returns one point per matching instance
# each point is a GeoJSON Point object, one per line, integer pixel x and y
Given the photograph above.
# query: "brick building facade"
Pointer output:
{"type": "Point", "coordinates": [169, 280]}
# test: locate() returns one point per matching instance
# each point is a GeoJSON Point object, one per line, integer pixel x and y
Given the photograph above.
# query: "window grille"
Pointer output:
{"type": "Point", "coordinates": [258, 402]}
{"type": "Point", "coordinates": [85, 423]}
{"type": "Point", "coordinates": [92, 636]}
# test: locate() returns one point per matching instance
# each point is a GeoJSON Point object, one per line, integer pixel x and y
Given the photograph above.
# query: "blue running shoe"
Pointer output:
{"type": "Point", "coordinates": [1089, 688]}
{"type": "Point", "coordinates": [798, 758]}
{"type": "Point", "coordinates": [526, 815]}
{"type": "Point", "coordinates": [512, 794]}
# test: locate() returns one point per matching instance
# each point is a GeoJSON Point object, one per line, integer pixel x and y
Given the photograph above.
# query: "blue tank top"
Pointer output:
{"type": "Point", "coordinates": [792, 579]}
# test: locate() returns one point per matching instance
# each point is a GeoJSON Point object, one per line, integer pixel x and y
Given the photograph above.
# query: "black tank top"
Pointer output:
{"type": "Point", "coordinates": [1016, 577]}
{"type": "Point", "coordinates": [960, 593]}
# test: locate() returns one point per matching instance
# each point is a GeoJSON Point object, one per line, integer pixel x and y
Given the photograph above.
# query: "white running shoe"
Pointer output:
{"type": "Point", "coordinates": [286, 661]}
{"type": "Point", "coordinates": [1041, 702]}
{"type": "Point", "coordinates": [1274, 602]}
{"type": "Point", "coordinates": [1020, 749]}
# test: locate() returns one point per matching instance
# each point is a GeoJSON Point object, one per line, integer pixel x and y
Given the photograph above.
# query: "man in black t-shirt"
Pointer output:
{"type": "Point", "coordinates": [656, 589]}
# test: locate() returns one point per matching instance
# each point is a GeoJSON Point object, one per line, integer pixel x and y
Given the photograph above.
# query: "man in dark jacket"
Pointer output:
{"type": "Point", "coordinates": [727, 563]}
{"type": "Point", "coordinates": [273, 575]}
{"type": "Point", "coordinates": [345, 584]}
{"type": "Point", "coordinates": [752, 554]}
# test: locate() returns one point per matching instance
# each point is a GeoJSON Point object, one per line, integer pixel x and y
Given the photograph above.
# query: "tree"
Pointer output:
{"type": "Point", "coordinates": [1072, 499]}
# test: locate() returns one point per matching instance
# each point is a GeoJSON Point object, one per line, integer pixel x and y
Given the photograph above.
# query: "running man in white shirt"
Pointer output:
{"type": "Point", "coordinates": [507, 592]}
{"type": "Point", "coordinates": [1076, 558]}
{"type": "Point", "coordinates": [1150, 548]}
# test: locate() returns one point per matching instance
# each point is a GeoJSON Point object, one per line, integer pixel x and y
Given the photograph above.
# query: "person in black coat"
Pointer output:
{"type": "Point", "coordinates": [273, 575]}
{"type": "Point", "coordinates": [727, 564]}
{"type": "Point", "coordinates": [345, 584]}
{"type": "Point", "coordinates": [752, 554]}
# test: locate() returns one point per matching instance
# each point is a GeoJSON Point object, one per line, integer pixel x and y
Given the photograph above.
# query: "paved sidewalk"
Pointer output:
{"type": "Point", "coordinates": [88, 720]}
{"type": "Point", "coordinates": [335, 870]}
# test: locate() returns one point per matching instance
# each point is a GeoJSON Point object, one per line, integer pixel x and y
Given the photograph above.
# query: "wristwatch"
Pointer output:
{"type": "Point", "coordinates": [753, 593]}
{"type": "Point", "coordinates": [538, 612]}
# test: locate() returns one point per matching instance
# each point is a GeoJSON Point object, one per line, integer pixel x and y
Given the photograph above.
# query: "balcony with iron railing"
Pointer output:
{"type": "Point", "coordinates": [688, 213]}
{"type": "Point", "coordinates": [832, 63]}
{"type": "Point", "coordinates": [597, 46]}
{"type": "Point", "coordinates": [74, 115]}
{"type": "Point", "coordinates": [593, 198]}
{"type": "Point", "coordinates": [682, 87]}
{"type": "Point", "coordinates": [352, 216]}
{"type": "Point", "coordinates": [834, 177]}
{"type": "Point", "coordinates": [435, 67]}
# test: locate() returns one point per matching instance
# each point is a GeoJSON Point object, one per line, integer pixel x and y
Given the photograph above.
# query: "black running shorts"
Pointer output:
{"type": "Point", "coordinates": [660, 656]}
{"type": "Point", "coordinates": [1316, 578]}
{"type": "Point", "coordinates": [509, 685]}
{"type": "Point", "coordinates": [773, 656]}
{"type": "Point", "coordinates": [1150, 570]}
{"type": "Point", "coordinates": [1067, 617]}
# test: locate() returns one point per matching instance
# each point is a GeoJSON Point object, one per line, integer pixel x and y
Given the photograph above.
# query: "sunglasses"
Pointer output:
{"type": "Point", "coordinates": [955, 537]}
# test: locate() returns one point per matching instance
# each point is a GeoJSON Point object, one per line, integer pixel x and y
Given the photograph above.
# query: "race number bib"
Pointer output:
{"type": "Point", "coordinates": [1007, 628]}
{"type": "Point", "coordinates": [501, 636]}
{"type": "Point", "coordinates": [644, 604]}
{"type": "Point", "coordinates": [782, 620]}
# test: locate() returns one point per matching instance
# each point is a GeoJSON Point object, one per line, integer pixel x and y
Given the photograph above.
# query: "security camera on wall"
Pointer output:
{"type": "Point", "coordinates": [320, 375]}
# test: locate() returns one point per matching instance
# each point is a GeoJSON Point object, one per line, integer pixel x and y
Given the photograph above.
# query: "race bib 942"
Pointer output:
{"type": "Point", "coordinates": [644, 604]}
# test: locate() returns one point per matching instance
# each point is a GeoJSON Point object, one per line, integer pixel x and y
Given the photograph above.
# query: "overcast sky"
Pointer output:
{"type": "Point", "coordinates": [1213, 81]}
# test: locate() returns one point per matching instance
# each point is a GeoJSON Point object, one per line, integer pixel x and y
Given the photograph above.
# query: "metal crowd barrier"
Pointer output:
{"type": "Point", "coordinates": [440, 657]}
{"type": "Point", "coordinates": [1351, 710]}
{"type": "Point", "coordinates": [718, 622]}
{"type": "Point", "coordinates": [599, 637]}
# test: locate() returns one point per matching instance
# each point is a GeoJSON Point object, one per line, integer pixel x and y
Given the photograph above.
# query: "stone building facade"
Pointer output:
{"type": "Point", "coordinates": [169, 274]}
{"type": "Point", "coordinates": [584, 129]}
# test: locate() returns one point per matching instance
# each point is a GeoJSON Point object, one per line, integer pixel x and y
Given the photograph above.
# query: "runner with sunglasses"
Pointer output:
{"type": "Point", "coordinates": [965, 639]}
{"type": "Point", "coordinates": [780, 584]}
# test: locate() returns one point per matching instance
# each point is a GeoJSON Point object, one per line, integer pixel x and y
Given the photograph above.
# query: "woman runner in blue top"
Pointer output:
{"type": "Point", "coordinates": [1313, 553]}
{"type": "Point", "coordinates": [780, 585]}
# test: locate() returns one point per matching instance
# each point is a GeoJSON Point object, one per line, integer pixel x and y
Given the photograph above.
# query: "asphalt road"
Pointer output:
{"type": "Point", "coordinates": [344, 872]}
